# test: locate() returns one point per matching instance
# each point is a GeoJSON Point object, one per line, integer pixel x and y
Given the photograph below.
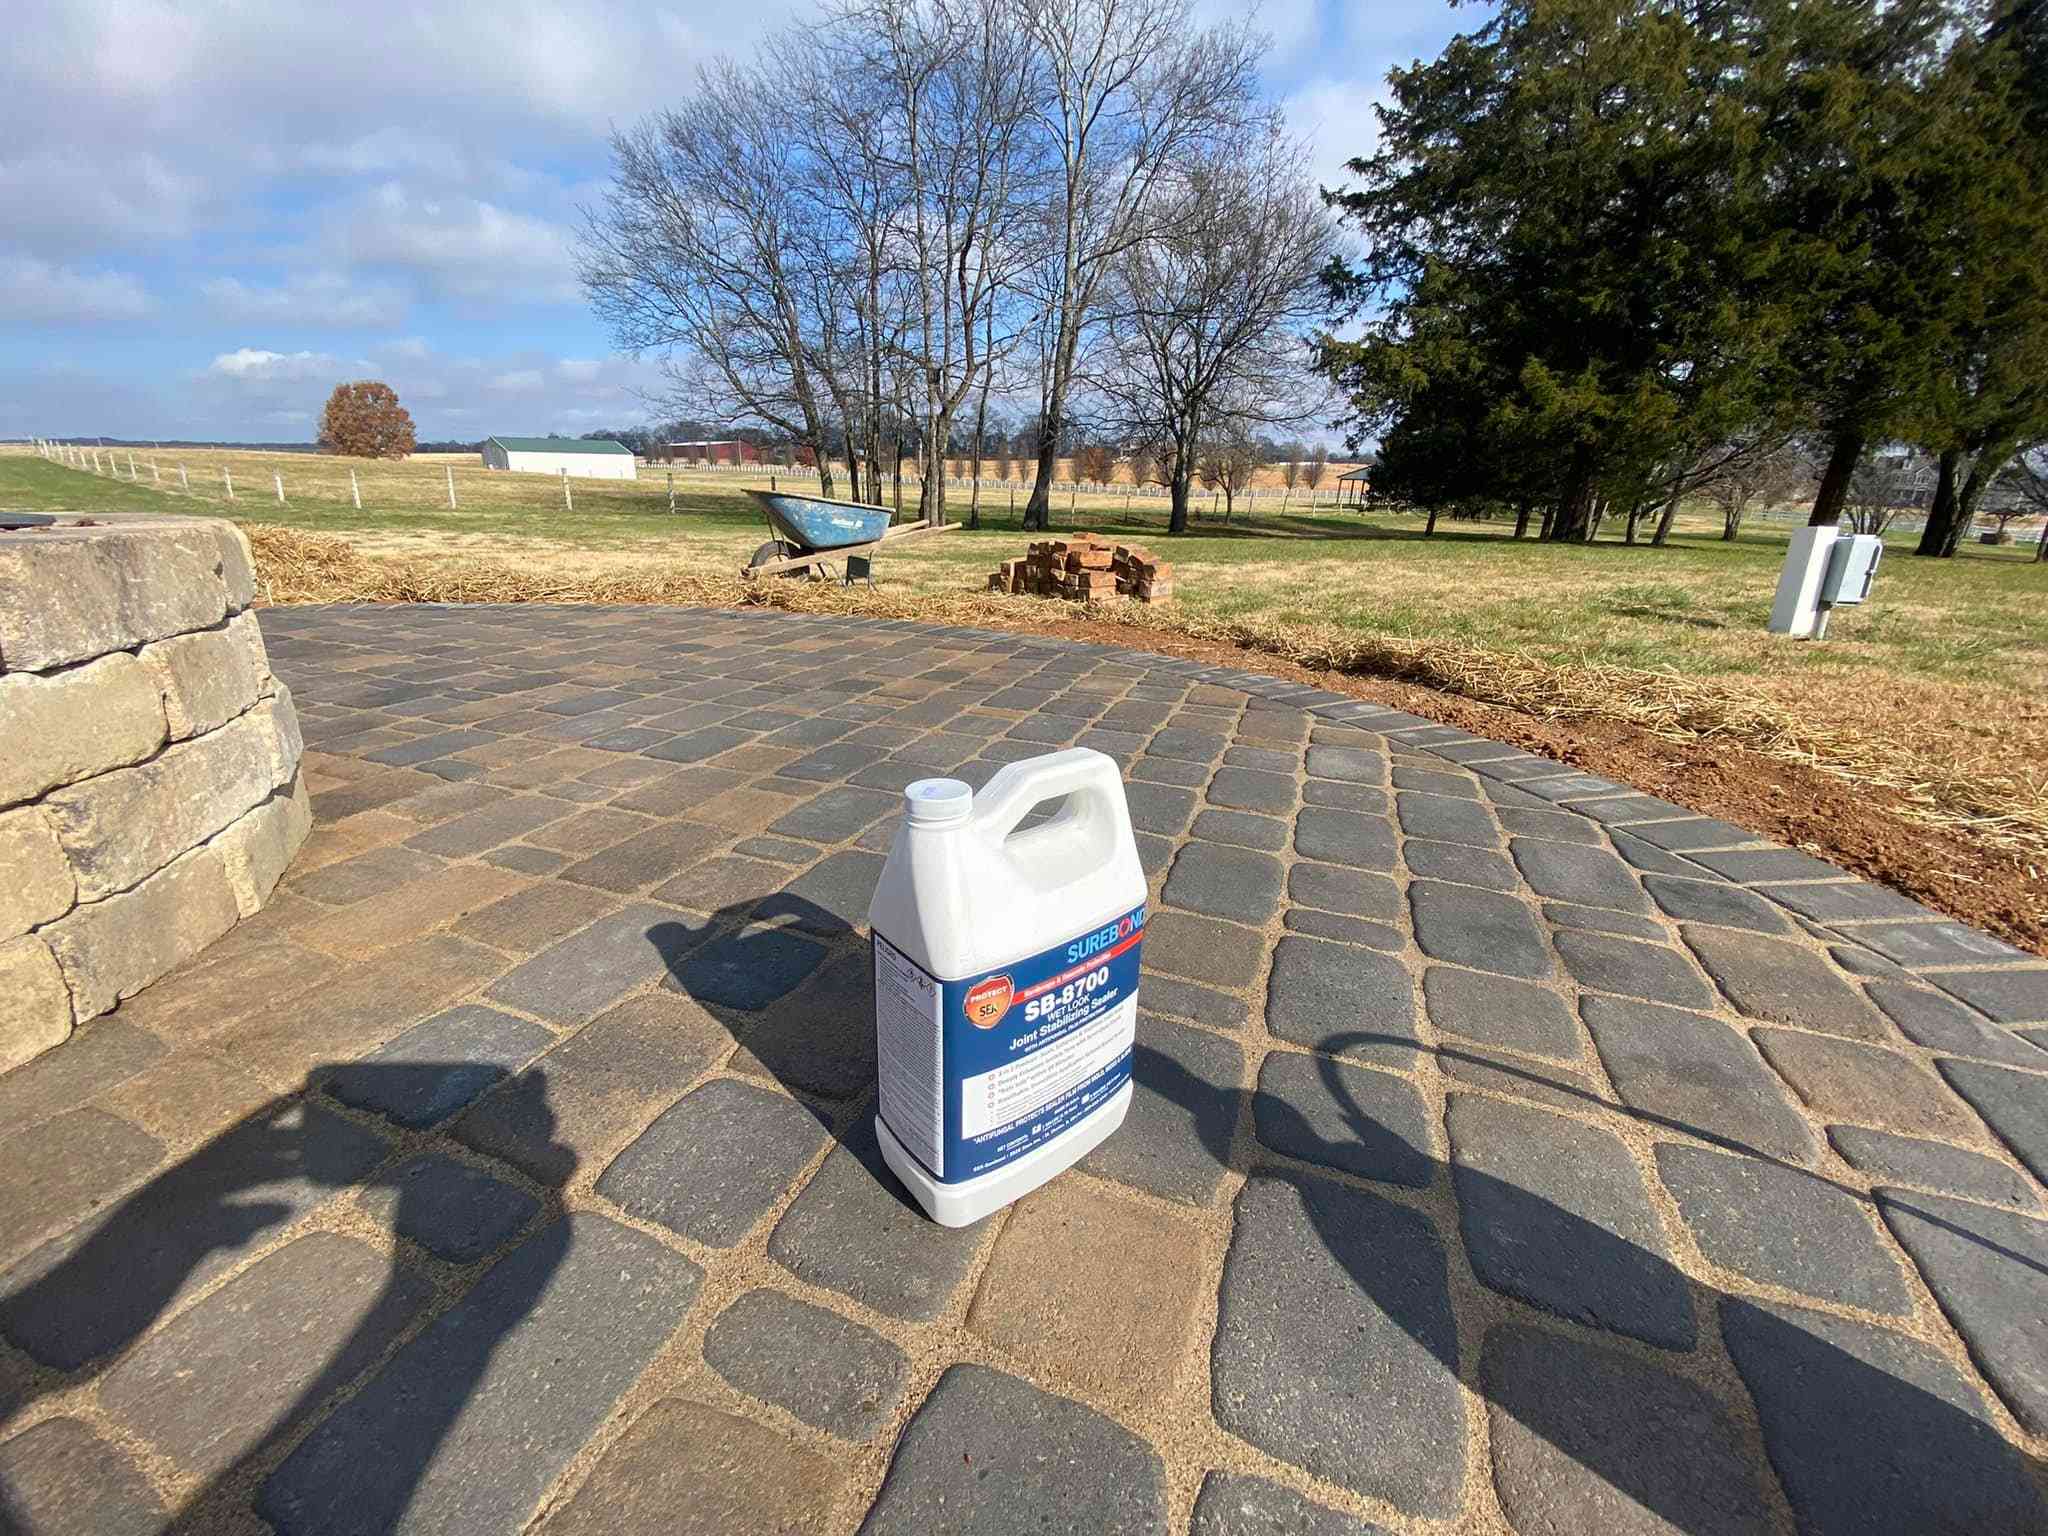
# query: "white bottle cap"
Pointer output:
{"type": "Point", "coordinates": [937, 802]}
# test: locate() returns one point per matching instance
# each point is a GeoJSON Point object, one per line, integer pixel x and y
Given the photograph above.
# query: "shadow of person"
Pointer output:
{"type": "Point", "coordinates": [84, 1297]}
{"type": "Point", "coordinates": [1869, 1431]}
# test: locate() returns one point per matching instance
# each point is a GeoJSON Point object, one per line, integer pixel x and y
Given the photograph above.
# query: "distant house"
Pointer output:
{"type": "Point", "coordinates": [586, 458]}
{"type": "Point", "coordinates": [1354, 484]}
{"type": "Point", "coordinates": [727, 450]}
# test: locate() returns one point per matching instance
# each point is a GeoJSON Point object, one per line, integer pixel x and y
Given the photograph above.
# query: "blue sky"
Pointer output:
{"type": "Point", "coordinates": [211, 213]}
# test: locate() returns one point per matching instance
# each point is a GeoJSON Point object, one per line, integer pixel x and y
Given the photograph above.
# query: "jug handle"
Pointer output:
{"type": "Point", "coordinates": [1019, 788]}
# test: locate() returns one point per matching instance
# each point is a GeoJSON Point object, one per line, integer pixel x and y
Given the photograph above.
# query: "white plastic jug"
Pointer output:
{"type": "Point", "coordinates": [1006, 981]}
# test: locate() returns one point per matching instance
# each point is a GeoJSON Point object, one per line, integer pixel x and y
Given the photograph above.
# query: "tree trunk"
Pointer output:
{"type": "Point", "coordinates": [1522, 510]}
{"type": "Point", "coordinates": [1664, 523]}
{"type": "Point", "coordinates": [1941, 517]}
{"type": "Point", "coordinates": [1429, 527]}
{"type": "Point", "coordinates": [1574, 519]}
{"type": "Point", "coordinates": [1546, 532]}
{"type": "Point", "coordinates": [1636, 513]}
{"type": "Point", "coordinates": [1177, 520]}
{"type": "Point", "coordinates": [1731, 516]}
{"type": "Point", "coordinates": [1989, 462]}
{"type": "Point", "coordinates": [1834, 481]}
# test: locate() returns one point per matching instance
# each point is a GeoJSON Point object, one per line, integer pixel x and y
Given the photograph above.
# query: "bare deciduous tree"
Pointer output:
{"type": "Point", "coordinates": [1316, 466]}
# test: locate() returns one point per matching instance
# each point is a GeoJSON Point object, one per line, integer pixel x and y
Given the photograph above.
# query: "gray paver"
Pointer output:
{"type": "Point", "coordinates": [1887, 1158]}
{"type": "Point", "coordinates": [1354, 765]}
{"type": "Point", "coordinates": [1715, 901]}
{"type": "Point", "coordinates": [1233, 1504]}
{"type": "Point", "coordinates": [1843, 900]}
{"type": "Point", "coordinates": [1496, 1011]}
{"type": "Point", "coordinates": [2013, 995]}
{"type": "Point", "coordinates": [473, 1420]}
{"type": "Point", "coordinates": [1601, 920]}
{"type": "Point", "coordinates": [831, 897]}
{"type": "Point", "coordinates": [747, 970]}
{"type": "Point", "coordinates": [575, 977]}
{"type": "Point", "coordinates": [1559, 826]}
{"type": "Point", "coordinates": [1345, 930]}
{"type": "Point", "coordinates": [1184, 999]}
{"type": "Point", "coordinates": [1590, 877]}
{"type": "Point", "coordinates": [1588, 1439]}
{"type": "Point", "coordinates": [1344, 837]}
{"type": "Point", "coordinates": [1480, 929]}
{"type": "Point", "coordinates": [985, 1447]}
{"type": "Point", "coordinates": [1372, 1275]}
{"type": "Point", "coordinates": [1175, 1139]}
{"type": "Point", "coordinates": [1237, 883]}
{"type": "Point", "coordinates": [821, 1039]}
{"type": "Point", "coordinates": [1605, 963]}
{"type": "Point", "coordinates": [1783, 1227]}
{"type": "Point", "coordinates": [1461, 862]}
{"type": "Point", "coordinates": [252, 1359]}
{"type": "Point", "coordinates": [1447, 818]}
{"type": "Point", "coordinates": [855, 1230]}
{"type": "Point", "coordinates": [649, 857]}
{"type": "Point", "coordinates": [2013, 1104]}
{"type": "Point", "coordinates": [1555, 1213]}
{"type": "Point", "coordinates": [1543, 1082]}
{"type": "Point", "coordinates": [1202, 949]}
{"type": "Point", "coordinates": [1322, 1111]}
{"type": "Point", "coordinates": [60, 1479]}
{"type": "Point", "coordinates": [437, 1067]}
{"type": "Point", "coordinates": [1841, 1080]}
{"type": "Point", "coordinates": [1696, 1075]}
{"type": "Point", "coordinates": [452, 1210]}
{"type": "Point", "coordinates": [1350, 891]}
{"type": "Point", "coordinates": [1985, 1269]}
{"type": "Point", "coordinates": [712, 1164]}
{"type": "Point", "coordinates": [1873, 1433]}
{"type": "Point", "coordinates": [100, 1055]}
{"type": "Point", "coordinates": [1252, 789]}
{"type": "Point", "coordinates": [1928, 944]}
{"type": "Point", "coordinates": [1343, 1000]}
{"type": "Point", "coordinates": [1242, 828]}
{"type": "Point", "coordinates": [63, 1170]}
{"type": "Point", "coordinates": [1938, 1021]}
{"type": "Point", "coordinates": [811, 1362]}
{"type": "Point", "coordinates": [467, 836]}
{"type": "Point", "coordinates": [836, 814]}
{"type": "Point", "coordinates": [1339, 796]}
{"type": "Point", "coordinates": [1757, 866]}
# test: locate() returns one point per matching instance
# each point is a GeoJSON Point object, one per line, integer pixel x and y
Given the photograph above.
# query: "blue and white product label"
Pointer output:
{"type": "Point", "coordinates": [975, 1073]}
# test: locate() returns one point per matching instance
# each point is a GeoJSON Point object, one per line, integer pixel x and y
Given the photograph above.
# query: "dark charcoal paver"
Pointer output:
{"type": "Point", "coordinates": [821, 1039]}
{"type": "Point", "coordinates": [1592, 877]}
{"type": "Point", "coordinates": [2013, 1104]}
{"type": "Point", "coordinates": [1555, 1213]}
{"type": "Point", "coordinates": [1651, 860]}
{"type": "Point", "coordinates": [1237, 883]}
{"type": "Point", "coordinates": [985, 1447]}
{"type": "Point", "coordinates": [83, 1294]}
{"type": "Point", "coordinates": [1873, 1433]}
{"type": "Point", "coordinates": [1175, 1140]}
{"type": "Point", "coordinates": [1496, 1011]}
{"type": "Point", "coordinates": [855, 1230]}
{"type": "Point", "coordinates": [747, 970]}
{"type": "Point", "coordinates": [1844, 900]}
{"type": "Point", "coordinates": [1460, 862]}
{"type": "Point", "coordinates": [65, 1169]}
{"type": "Point", "coordinates": [1327, 1287]}
{"type": "Point", "coordinates": [1447, 818]}
{"type": "Point", "coordinates": [1695, 1074]}
{"type": "Point", "coordinates": [1542, 1082]}
{"type": "Point", "coordinates": [1936, 1165]}
{"type": "Point", "coordinates": [1337, 796]}
{"type": "Point", "coordinates": [467, 836]}
{"type": "Point", "coordinates": [1429, 781]}
{"type": "Point", "coordinates": [1344, 837]}
{"type": "Point", "coordinates": [1939, 943]}
{"type": "Point", "coordinates": [1783, 1227]}
{"type": "Point", "coordinates": [60, 1479]}
{"type": "Point", "coordinates": [712, 1164]}
{"type": "Point", "coordinates": [1601, 920]}
{"type": "Point", "coordinates": [1350, 891]}
{"type": "Point", "coordinates": [1184, 999]}
{"type": "Point", "coordinates": [1252, 789]}
{"type": "Point", "coordinates": [2014, 995]}
{"type": "Point", "coordinates": [1242, 828]}
{"type": "Point", "coordinates": [1232, 1504]}
{"type": "Point", "coordinates": [1188, 744]}
{"type": "Point", "coordinates": [1694, 832]}
{"type": "Point", "coordinates": [1985, 1269]}
{"type": "Point", "coordinates": [836, 814]}
{"type": "Point", "coordinates": [1715, 901]}
{"type": "Point", "coordinates": [651, 856]}
{"type": "Point", "coordinates": [436, 1068]}
{"type": "Point", "coordinates": [225, 1377]}
{"type": "Point", "coordinates": [1368, 1123]}
{"type": "Point", "coordinates": [1758, 866]}
{"type": "Point", "coordinates": [1343, 1000]}
{"type": "Point", "coordinates": [813, 1363]}
{"type": "Point", "coordinates": [573, 978]}
{"type": "Point", "coordinates": [452, 1210]}
{"type": "Point", "coordinates": [1605, 963]}
{"type": "Point", "coordinates": [1477, 928]}
{"type": "Point", "coordinates": [581, 1100]}
{"type": "Point", "coordinates": [472, 1421]}
{"type": "Point", "coordinates": [831, 897]}
{"type": "Point", "coordinates": [103, 1054]}
{"type": "Point", "coordinates": [1353, 765]}
{"type": "Point", "coordinates": [1938, 1021]}
{"type": "Point", "coordinates": [1203, 949]}
{"type": "Point", "coordinates": [1588, 1439]}
{"type": "Point", "coordinates": [1559, 826]}
{"type": "Point", "coordinates": [1841, 1080]}
{"type": "Point", "coordinates": [1345, 930]}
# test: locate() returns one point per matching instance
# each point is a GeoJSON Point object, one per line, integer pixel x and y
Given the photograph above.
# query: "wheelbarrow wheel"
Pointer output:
{"type": "Point", "coordinates": [778, 549]}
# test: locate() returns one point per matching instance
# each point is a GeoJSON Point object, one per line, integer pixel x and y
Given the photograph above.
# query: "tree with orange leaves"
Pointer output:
{"type": "Point", "coordinates": [365, 421]}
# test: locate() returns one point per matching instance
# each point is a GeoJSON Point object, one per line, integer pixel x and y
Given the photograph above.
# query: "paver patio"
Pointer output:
{"type": "Point", "coordinates": [1512, 1150]}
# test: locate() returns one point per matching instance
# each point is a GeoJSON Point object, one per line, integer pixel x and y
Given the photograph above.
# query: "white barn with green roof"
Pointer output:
{"type": "Point", "coordinates": [586, 458]}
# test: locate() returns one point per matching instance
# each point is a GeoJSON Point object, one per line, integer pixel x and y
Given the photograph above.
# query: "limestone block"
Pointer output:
{"type": "Point", "coordinates": [114, 948]}
{"type": "Point", "coordinates": [238, 566]}
{"type": "Point", "coordinates": [209, 677]}
{"type": "Point", "coordinates": [69, 594]}
{"type": "Point", "coordinates": [68, 725]}
{"type": "Point", "coordinates": [35, 882]}
{"type": "Point", "coordinates": [281, 730]}
{"type": "Point", "coordinates": [35, 1006]}
{"type": "Point", "coordinates": [260, 846]}
{"type": "Point", "coordinates": [122, 826]}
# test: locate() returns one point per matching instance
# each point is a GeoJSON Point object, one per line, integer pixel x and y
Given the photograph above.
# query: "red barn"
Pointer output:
{"type": "Point", "coordinates": [724, 451]}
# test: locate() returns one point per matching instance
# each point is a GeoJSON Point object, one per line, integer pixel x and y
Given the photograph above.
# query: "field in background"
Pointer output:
{"type": "Point", "coordinates": [1936, 682]}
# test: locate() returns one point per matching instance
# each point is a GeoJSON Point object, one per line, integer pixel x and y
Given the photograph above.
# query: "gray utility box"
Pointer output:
{"type": "Point", "coordinates": [1852, 566]}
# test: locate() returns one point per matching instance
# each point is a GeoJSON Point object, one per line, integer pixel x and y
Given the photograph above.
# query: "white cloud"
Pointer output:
{"type": "Point", "coordinates": [259, 363]}
{"type": "Point", "coordinates": [326, 300]}
{"type": "Point", "coordinates": [580, 370]}
{"type": "Point", "coordinates": [457, 246]}
{"type": "Point", "coordinates": [1336, 119]}
{"type": "Point", "coordinates": [36, 292]}
{"type": "Point", "coordinates": [521, 381]}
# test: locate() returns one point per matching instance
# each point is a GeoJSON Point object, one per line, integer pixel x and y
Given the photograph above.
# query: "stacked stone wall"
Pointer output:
{"type": "Point", "coordinates": [149, 763]}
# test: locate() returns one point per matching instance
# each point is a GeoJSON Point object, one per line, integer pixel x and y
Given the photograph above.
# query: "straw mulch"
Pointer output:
{"type": "Point", "coordinates": [2005, 809]}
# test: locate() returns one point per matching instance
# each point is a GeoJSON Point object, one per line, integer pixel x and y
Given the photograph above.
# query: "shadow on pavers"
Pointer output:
{"type": "Point", "coordinates": [79, 1300]}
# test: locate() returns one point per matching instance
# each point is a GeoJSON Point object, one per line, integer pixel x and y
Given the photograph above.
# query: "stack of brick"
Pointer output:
{"type": "Point", "coordinates": [149, 763]}
{"type": "Point", "coordinates": [1086, 567]}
